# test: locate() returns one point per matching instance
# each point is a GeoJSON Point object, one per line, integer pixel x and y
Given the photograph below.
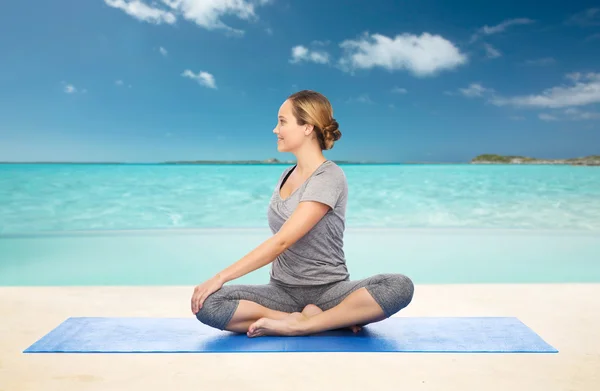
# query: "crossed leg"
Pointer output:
{"type": "Point", "coordinates": [312, 310]}
{"type": "Point", "coordinates": [358, 308]}
{"type": "Point", "coordinates": [269, 310]}
{"type": "Point", "coordinates": [249, 312]}
{"type": "Point", "coordinates": [347, 304]}
{"type": "Point", "coordinates": [236, 307]}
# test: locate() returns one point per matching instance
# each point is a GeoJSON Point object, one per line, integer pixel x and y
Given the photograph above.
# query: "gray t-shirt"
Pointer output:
{"type": "Point", "coordinates": [318, 257]}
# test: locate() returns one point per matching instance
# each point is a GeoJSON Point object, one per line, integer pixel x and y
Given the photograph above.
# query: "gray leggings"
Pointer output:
{"type": "Point", "coordinates": [392, 292]}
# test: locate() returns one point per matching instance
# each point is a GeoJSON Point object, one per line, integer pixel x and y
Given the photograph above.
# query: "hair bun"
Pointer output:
{"type": "Point", "coordinates": [331, 131]}
{"type": "Point", "coordinates": [331, 134]}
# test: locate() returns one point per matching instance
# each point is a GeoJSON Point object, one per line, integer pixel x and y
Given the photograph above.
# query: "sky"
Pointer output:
{"type": "Point", "coordinates": [163, 80]}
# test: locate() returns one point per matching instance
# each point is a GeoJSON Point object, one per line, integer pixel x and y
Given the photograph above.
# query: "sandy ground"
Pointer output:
{"type": "Point", "coordinates": [565, 315]}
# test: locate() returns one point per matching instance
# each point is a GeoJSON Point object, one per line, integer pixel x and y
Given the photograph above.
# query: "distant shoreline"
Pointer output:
{"type": "Point", "coordinates": [593, 160]}
{"type": "Point", "coordinates": [227, 162]}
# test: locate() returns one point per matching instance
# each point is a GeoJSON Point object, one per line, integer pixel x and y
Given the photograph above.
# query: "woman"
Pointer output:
{"type": "Point", "coordinates": [309, 289]}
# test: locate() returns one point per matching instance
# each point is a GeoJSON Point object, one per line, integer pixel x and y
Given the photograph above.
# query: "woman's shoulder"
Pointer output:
{"type": "Point", "coordinates": [333, 169]}
{"type": "Point", "coordinates": [330, 174]}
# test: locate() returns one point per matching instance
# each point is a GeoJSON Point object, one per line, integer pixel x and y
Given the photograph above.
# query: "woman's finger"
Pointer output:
{"type": "Point", "coordinates": [201, 300]}
{"type": "Point", "coordinates": [195, 301]}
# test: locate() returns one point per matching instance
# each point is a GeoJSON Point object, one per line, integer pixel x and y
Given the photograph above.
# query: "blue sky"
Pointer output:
{"type": "Point", "coordinates": [149, 81]}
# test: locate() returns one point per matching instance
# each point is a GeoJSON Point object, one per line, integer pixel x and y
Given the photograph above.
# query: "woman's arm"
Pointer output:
{"type": "Point", "coordinates": [306, 215]}
{"type": "Point", "coordinates": [302, 220]}
{"type": "Point", "coordinates": [262, 255]}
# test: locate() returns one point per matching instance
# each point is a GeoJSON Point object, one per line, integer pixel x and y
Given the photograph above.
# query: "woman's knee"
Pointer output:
{"type": "Point", "coordinates": [395, 290]}
{"type": "Point", "coordinates": [216, 310]}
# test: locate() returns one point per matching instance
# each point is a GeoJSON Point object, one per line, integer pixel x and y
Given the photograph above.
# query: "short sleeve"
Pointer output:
{"type": "Point", "coordinates": [325, 186]}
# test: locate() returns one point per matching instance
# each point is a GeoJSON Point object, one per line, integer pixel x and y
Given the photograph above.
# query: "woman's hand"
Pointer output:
{"type": "Point", "coordinates": [202, 291]}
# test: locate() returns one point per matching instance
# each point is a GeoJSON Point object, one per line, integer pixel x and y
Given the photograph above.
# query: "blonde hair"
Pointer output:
{"type": "Point", "coordinates": [313, 108]}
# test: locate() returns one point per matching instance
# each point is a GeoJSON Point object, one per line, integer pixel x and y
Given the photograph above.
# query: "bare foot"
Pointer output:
{"type": "Point", "coordinates": [289, 326]}
{"type": "Point", "coordinates": [312, 310]}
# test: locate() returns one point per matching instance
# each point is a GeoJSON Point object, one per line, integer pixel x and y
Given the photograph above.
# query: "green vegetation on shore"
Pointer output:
{"type": "Point", "coordinates": [593, 160]}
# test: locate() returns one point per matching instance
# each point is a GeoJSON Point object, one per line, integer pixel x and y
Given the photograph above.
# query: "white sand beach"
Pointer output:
{"type": "Point", "coordinates": [565, 315]}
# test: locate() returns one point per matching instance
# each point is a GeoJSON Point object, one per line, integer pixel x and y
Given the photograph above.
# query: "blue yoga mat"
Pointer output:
{"type": "Point", "coordinates": [395, 334]}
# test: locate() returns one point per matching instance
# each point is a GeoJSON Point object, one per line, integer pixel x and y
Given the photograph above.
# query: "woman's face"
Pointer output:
{"type": "Point", "coordinates": [290, 135]}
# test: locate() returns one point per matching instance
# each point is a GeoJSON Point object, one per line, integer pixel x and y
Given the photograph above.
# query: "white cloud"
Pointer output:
{"type": "Point", "coordinates": [205, 13]}
{"type": "Point", "coordinates": [504, 25]}
{"type": "Point", "coordinates": [585, 89]}
{"type": "Point", "coordinates": [588, 17]}
{"type": "Point", "coordinates": [547, 117]}
{"type": "Point", "coordinates": [70, 89]}
{"type": "Point", "coordinates": [578, 115]}
{"type": "Point", "coordinates": [570, 114]}
{"type": "Point", "coordinates": [163, 51]}
{"type": "Point", "coordinates": [204, 78]}
{"type": "Point", "coordinates": [517, 117]}
{"type": "Point", "coordinates": [491, 51]}
{"type": "Point", "coordinates": [302, 53]}
{"type": "Point", "coordinates": [119, 82]}
{"type": "Point", "coordinates": [474, 90]}
{"type": "Point", "coordinates": [423, 55]}
{"type": "Point", "coordinates": [142, 11]}
{"type": "Point", "coordinates": [574, 76]}
{"type": "Point", "coordinates": [398, 90]}
{"type": "Point", "coordinates": [489, 30]}
{"type": "Point", "coordinates": [364, 98]}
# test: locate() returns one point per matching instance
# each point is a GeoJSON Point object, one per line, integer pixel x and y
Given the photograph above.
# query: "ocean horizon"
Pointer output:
{"type": "Point", "coordinates": [479, 159]}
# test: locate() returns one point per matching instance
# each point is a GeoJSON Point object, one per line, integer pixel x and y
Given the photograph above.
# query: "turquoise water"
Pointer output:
{"type": "Point", "coordinates": [36, 198]}
{"type": "Point", "coordinates": [163, 225]}
{"type": "Point", "coordinates": [188, 257]}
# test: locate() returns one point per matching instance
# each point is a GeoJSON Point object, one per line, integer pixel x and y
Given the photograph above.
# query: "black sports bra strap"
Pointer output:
{"type": "Point", "coordinates": [286, 177]}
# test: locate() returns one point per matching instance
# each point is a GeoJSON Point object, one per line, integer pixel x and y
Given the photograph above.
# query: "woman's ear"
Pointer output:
{"type": "Point", "coordinates": [308, 128]}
